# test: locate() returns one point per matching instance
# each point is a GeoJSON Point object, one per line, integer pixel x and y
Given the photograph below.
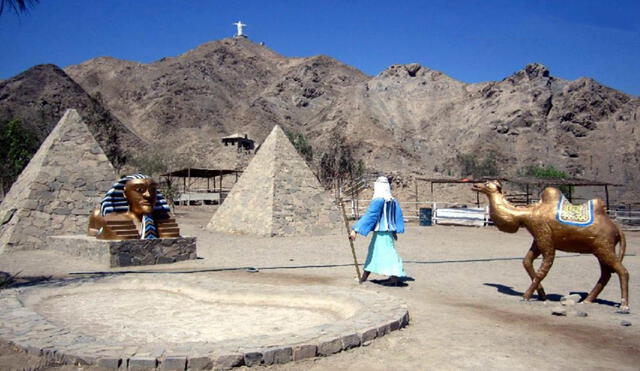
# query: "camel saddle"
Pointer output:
{"type": "Point", "coordinates": [578, 215]}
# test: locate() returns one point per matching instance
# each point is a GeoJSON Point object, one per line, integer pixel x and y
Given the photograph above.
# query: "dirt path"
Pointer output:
{"type": "Point", "coordinates": [464, 298]}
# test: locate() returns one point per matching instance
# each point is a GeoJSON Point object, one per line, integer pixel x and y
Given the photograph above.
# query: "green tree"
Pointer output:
{"type": "Point", "coordinates": [17, 146]}
{"type": "Point", "coordinates": [337, 163]}
{"type": "Point", "coordinates": [301, 145]}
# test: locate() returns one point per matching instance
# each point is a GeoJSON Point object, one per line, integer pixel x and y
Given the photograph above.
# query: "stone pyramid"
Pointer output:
{"type": "Point", "coordinates": [55, 193]}
{"type": "Point", "coordinates": [278, 195]}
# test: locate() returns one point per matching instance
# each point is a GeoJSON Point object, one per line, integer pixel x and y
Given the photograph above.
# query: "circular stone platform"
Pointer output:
{"type": "Point", "coordinates": [175, 321]}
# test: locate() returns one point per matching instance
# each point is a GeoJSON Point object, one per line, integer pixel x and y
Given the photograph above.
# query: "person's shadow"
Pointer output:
{"type": "Point", "coordinates": [400, 282]}
{"type": "Point", "coordinates": [508, 290]}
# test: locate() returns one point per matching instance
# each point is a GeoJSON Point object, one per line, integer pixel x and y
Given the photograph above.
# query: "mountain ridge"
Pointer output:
{"type": "Point", "coordinates": [408, 119]}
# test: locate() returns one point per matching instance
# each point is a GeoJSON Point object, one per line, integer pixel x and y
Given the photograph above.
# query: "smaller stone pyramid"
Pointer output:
{"type": "Point", "coordinates": [55, 193]}
{"type": "Point", "coordinates": [278, 195]}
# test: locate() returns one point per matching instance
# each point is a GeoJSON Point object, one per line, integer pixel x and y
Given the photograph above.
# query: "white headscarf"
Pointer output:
{"type": "Point", "coordinates": [381, 188]}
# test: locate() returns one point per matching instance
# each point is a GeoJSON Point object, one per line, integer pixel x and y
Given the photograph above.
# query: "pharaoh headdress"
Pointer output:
{"type": "Point", "coordinates": [114, 201]}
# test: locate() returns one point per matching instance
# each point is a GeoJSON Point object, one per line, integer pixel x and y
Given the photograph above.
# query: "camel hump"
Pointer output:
{"type": "Point", "coordinates": [550, 194]}
{"type": "Point", "coordinates": [599, 206]}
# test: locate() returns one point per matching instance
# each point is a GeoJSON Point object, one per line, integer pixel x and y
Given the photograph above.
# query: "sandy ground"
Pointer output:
{"type": "Point", "coordinates": [463, 297]}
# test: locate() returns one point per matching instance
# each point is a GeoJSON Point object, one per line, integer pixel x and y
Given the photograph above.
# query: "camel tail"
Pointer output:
{"type": "Point", "coordinates": [623, 243]}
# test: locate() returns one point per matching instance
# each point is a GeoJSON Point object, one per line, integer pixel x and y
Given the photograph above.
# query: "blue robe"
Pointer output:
{"type": "Point", "coordinates": [383, 218]}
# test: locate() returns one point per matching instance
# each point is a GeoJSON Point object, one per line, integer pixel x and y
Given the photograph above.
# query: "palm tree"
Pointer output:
{"type": "Point", "coordinates": [18, 6]}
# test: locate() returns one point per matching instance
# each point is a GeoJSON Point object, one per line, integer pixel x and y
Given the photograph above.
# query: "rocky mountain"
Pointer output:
{"type": "Point", "coordinates": [231, 86]}
{"type": "Point", "coordinates": [529, 118]}
{"type": "Point", "coordinates": [408, 120]}
{"type": "Point", "coordinates": [42, 94]}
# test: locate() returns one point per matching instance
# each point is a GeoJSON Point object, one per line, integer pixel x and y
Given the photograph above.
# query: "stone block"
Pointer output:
{"type": "Point", "coordinates": [383, 330]}
{"type": "Point", "coordinates": [142, 363]}
{"type": "Point", "coordinates": [30, 204]}
{"type": "Point", "coordinates": [177, 363]}
{"type": "Point", "coordinates": [395, 325]}
{"type": "Point", "coordinates": [110, 363]}
{"type": "Point", "coordinates": [405, 320]}
{"type": "Point", "coordinates": [350, 341]}
{"type": "Point", "coordinates": [127, 252]}
{"type": "Point", "coordinates": [277, 355]}
{"type": "Point", "coordinates": [328, 347]}
{"type": "Point", "coordinates": [368, 335]}
{"type": "Point", "coordinates": [252, 358]}
{"type": "Point", "coordinates": [304, 351]}
{"type": "Point", "coordinates": [199, 363]}
{"type": "Point", "coordinates": [227, 360]}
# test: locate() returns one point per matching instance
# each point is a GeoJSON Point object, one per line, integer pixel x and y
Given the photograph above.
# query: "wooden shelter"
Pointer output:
{"type": "Point", "coordinates": [527, 182]}
{"type": "Point", "coordinates": [214, 177]}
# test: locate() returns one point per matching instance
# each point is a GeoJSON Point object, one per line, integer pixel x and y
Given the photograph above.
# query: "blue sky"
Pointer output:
{"type": "Point", "coordinates": [468, 40]}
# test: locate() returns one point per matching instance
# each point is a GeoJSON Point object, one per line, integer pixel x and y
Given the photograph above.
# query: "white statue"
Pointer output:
{"type": "Point", "coordinates": [240, 27]}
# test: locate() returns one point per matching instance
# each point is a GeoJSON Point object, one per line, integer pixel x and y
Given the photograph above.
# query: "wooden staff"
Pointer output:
{"type": "Point", "coordinates": [353, 250]}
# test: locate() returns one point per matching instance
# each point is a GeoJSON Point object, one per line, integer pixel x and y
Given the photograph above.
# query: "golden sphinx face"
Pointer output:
{"type": "Point", "coordinates": [141, 195]}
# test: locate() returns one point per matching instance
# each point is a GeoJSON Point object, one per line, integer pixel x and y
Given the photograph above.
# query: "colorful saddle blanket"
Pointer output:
{"type": "Point", "coordinates": [579, 215]}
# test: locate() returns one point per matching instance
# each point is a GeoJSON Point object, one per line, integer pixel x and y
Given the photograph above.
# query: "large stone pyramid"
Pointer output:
{"type": "Point", "coordinates": [55, 193]}
{"type": "Point", "coordinates": [277, 195]}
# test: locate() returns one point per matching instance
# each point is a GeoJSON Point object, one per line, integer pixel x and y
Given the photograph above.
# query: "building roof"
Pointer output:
{"type": "Point", "coordinates": [526, 180]}
{"type": "Point", "coordinates": [201, 173]}
{"type": "Point", "coordinates": [235, 136]}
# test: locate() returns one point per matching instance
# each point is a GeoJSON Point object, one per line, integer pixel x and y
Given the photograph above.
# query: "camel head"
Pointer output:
{"type": "Point", "coordinates": [488, 187]}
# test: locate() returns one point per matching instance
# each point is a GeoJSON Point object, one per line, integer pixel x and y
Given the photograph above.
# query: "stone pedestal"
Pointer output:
{"type": "Point", "coordinates": [127, 252]}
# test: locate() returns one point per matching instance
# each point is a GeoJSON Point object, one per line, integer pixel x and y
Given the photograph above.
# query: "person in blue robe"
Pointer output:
{"type": "Point", "coordinates": [384, 219]}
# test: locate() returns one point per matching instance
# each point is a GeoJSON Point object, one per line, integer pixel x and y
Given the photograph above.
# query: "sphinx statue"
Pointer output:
{"type": "Point", "coordinates": [133, 209]}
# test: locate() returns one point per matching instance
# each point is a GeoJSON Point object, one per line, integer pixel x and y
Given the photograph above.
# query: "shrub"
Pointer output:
{"type": "Point", "coordinates": [546, 172]}
{"type": "Point", "coordinates": [471, 165]}
{"type": "Point", "coordinates": [17, 146]}
{"type": "Point", "coordinates": [301, 145]}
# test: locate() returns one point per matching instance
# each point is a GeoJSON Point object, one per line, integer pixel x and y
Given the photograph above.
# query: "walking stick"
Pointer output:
{"type": "Point", "coordinates": [353, 250]}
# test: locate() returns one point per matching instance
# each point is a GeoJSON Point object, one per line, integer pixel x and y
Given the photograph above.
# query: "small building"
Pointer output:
{"type": "Point", "coordinates": [242, 142]}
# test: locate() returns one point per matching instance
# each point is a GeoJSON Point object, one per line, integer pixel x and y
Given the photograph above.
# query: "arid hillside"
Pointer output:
{"type": "Point", "coordinates": [231, 86]}
{"type": "Point", "coordinates": [41, 95]}
{"type": "Point", "coordinates": [407, 120]}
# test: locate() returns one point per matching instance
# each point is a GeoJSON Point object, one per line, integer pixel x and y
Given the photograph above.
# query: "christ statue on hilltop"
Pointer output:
{"type": "Point", "coordinates": [240, 27]}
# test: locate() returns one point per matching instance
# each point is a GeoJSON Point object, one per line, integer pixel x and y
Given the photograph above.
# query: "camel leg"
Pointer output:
{"type": "Point", "coordinates": [527, 262]}
{"type": "Point", "coordinates": [548, 255]}
{"type": "Point", "coordinates": [605, 275]}
{"type": "Point", "coordinates": [623, 276]}
{"type": "Point", "coordinates": [609, 262]}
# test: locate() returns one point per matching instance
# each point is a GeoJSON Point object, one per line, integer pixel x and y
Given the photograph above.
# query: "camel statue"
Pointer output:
{"type": "Point", "coordinates": [556, 224]}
